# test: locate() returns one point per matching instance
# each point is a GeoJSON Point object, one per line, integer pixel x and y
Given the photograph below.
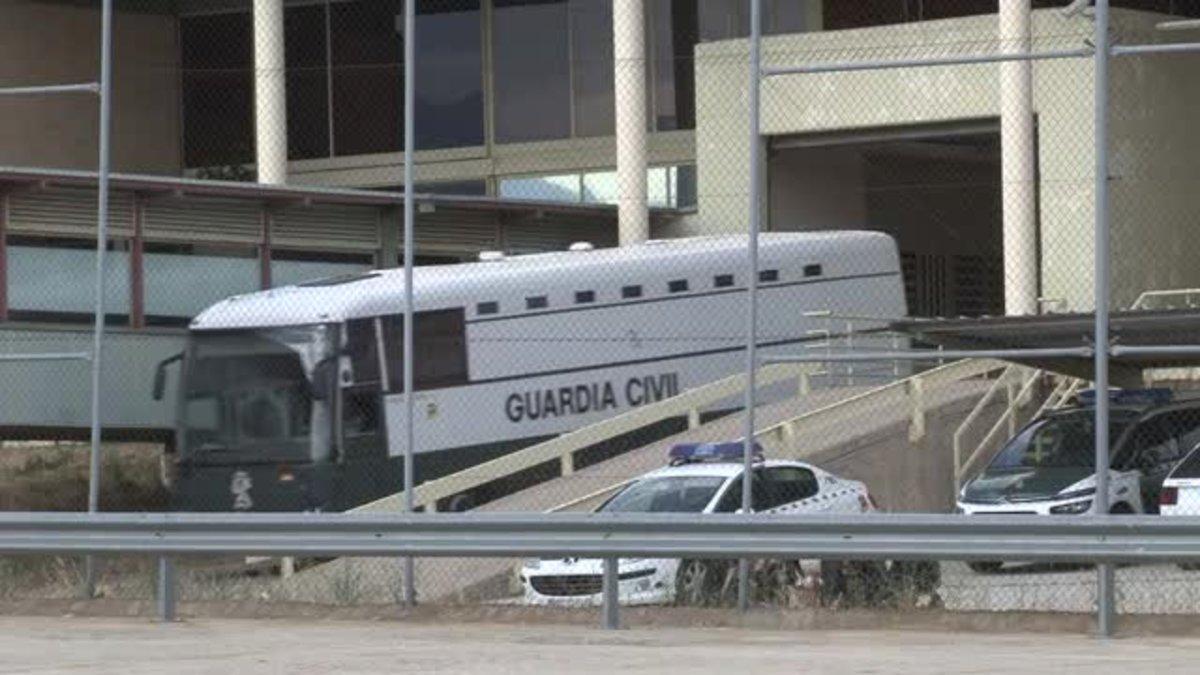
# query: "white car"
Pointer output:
{"type": "Point", "coordinates": [1180, 494]}
{"type": "Point", "coordinates": [1048, 468]}
{"type": "Point", "coordinates": [705, 478]}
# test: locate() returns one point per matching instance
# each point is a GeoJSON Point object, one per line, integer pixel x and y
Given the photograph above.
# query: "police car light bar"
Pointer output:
{"type": "Point", "coordinates": [1157, 396]}
{"type": "Point", "coordinates": [687, 453]}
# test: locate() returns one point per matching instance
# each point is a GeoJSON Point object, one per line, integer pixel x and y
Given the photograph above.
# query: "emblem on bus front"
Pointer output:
{"type": "Point", "coordinates": [240, 487]}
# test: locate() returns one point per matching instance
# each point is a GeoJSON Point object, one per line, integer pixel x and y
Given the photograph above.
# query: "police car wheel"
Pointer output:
{"type": "Point", "coordinates": [696, 583]}
{"type": "Point", "coordinates": [985, 566]}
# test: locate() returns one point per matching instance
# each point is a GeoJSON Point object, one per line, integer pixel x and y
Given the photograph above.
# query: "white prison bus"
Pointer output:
{"type": "Point", "coordinates": [284, 405]}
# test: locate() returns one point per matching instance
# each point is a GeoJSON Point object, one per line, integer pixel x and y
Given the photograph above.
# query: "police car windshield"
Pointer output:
{"type": "Point", "coordinates": [1058, 442]}
{"type": "Point", "coordinates": [666, 494]}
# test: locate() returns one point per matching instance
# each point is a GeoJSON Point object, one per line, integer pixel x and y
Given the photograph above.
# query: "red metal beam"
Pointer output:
{"type": "Point", "coordinates": [264, 249]}
{"type": "Point", "coordinates": [137, 285]}
{"type": "Point", "coordinates": [3, 256]}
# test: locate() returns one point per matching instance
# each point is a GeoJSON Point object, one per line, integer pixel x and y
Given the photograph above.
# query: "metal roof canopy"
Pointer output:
{"type": "Point", "coordinates": [191, 187]}
{"type": "Point", "coordinates": [1158, 328]}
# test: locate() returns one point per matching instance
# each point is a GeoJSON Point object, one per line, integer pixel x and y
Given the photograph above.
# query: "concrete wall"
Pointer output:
{"type": "Point", "coordinates": [1157, 100]}
{"type": "Point", "coordinates": [52, 43]}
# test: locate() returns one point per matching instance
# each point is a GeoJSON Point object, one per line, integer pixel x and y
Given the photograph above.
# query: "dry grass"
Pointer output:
{"type": "Point", "coordinates": [54, 477]}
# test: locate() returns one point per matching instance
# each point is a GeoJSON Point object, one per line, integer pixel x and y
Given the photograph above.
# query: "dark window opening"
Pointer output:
{"type": "Point", "coordinates": [216, 60]}
{"type": "Point", "coordinates": [677, 286]}
{"type": "Point", "coordinates": [487, 308]}
{"type": "Point", "coordinates": [631, 292]}
{"type": "Point", "coordinates": [723, 280]}
{"type": "Point", "coordinates": [439, 350]}
{"type": "Point", "coordinates": [537, 302]}
{"type": "Point", "coordinates": [585, 297]}
{"type": "Point", "coordinates": [812, 271]}
{"type": "Point", "coordinates": [362, 348]}
{"type": "Point", "coordinates": [768, 276]}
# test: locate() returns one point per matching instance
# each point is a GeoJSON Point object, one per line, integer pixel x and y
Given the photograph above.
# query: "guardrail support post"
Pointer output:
{"type": "Point", "coordinates": [612, 617]}
{"type": "Point", "coordinates": [1105, 600]}
{"type": "Point", "coordinates": [166, 589]}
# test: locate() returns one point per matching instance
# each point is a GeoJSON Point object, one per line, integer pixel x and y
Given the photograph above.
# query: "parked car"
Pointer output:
{"type": "Point", "coordinates": [1180, 494]}
{"type": "Point", "coordinates": [1048, 468]}
{"type": "Point", "coordinates": [701, 478]}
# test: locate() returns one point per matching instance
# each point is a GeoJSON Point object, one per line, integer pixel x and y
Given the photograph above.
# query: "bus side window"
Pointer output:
{"type": "Point", "coordinates": [363, 350]}
{"type": "Point", "coordinates": [439, 350]}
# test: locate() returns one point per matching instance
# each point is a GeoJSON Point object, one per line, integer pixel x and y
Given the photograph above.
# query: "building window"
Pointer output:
{"type": "Point", "coordinates": [307, 82]}
{"type": "Point", "coordinates": [449, 74]}
{"type": "Point", "coordinates": [216, 59]}
{"type": "Point", "coordinates": [531, 63]}
{"type": "Point", "coordinates": [368, 77]}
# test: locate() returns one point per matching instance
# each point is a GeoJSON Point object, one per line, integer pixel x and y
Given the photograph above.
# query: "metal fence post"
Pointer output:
{"type": "Point", "coordinates": [89, 589]}
{"type": "Point", "coordinates": [166, 589]}
{"type": "Point", "coordinates": [409, 571]}
{"type": "Point", "coordinates": [612, 616]}
{"type": "Point", "coordinates": [1104, 576]}
{"type": "Point", "coordinates": [755, 85]}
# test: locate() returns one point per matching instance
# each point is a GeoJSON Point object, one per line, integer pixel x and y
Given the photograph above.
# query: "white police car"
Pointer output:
{"type": "Point", "coordinates": [701, 478]}
{"type": "Point", "coordinates": [1048, 468]}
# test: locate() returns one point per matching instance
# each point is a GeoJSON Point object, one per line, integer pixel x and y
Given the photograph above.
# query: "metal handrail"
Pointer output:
{"type": "Point", "coordinates": [1008, 415]}
{"type": "Point", "coordinates": [973, 416]}
{"type": "Point", "coordinates": [564, 447]}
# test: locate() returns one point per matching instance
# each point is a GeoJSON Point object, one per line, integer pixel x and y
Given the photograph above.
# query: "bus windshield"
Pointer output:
{"type": "Point", "coordinates": [248, 395]}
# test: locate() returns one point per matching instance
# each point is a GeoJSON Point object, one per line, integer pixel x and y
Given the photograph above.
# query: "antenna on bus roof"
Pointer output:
{"type": "Point", "coordinates": [581, 246]}
{"type": "Point", "coordinates": [491, 256]}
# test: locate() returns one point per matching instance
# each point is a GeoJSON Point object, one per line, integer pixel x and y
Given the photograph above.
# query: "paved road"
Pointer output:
{"type": "Point", "coordinates": [131, 647]}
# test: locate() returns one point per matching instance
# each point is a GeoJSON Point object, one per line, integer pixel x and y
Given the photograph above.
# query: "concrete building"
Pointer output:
{"type": "Point", "coordinates": [515, 99]}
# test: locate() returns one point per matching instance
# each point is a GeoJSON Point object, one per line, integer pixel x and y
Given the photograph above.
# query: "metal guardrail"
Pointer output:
{"type": "Point", "coordinates": [1100, 539]}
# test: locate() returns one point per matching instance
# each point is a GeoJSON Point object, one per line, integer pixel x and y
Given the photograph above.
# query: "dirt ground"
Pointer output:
{"type": "Point", "coordinates": [132, 646]}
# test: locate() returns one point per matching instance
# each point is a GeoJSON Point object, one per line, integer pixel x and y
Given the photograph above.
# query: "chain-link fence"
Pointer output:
{"type": "Point", "coordinates": [585, 183]}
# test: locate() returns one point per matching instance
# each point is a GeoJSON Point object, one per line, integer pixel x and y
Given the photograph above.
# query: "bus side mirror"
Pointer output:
{"type": "Point", "coordinates": [324, 378]}
{"type": "Point", "coordinates": [160, 375]}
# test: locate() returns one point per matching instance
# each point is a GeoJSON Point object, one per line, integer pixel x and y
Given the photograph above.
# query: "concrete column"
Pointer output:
{"type": "Point", "coordinates": [270, 92]}
{"type": "Point", "coordinates": [629, 76]}
{"type": "Point", "coordinates": [1018, 162]}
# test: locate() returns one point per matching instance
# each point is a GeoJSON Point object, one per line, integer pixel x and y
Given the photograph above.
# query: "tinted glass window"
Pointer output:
{"type": "Point", "coordinates": [487, 308]}
{"type": "Point", "coordinates": [788, 484]}
{"type": "Point", "coordinates": [1059, 441]}
{"type": "Point", "coordinates": [218, 89]}
{"type": "Point", "coordinates": [592, 66]}
{"type": "Point", "coordinates": [668, 494]}
{"type": "Point", "coordinates": [449, 74]}
{"type": "Point", "coordinates": [768, 276]}
{"type": "Point", "coordinates": [584, 297]}
{"type": "Point", "coordinates": [307, 82]}
{"type": "Point", "coordinates": [368, 77]}
{"type": "Point", "coordinates": [723, 280]}
{"type": "Point", "coordinates": [678, 286]}
{"type": "Point", "coordinates": [812, 270]}
{"type": "Point", "coordinates": [531, 64]}
{"type": "Point", "coordinates": [440, 344]}
{"type": "Point", "coordinates": [363, 350]}
{"type": "Point", "coordinates": [537, 302]}
{"type": "Point", "coordinates": [631, 292]}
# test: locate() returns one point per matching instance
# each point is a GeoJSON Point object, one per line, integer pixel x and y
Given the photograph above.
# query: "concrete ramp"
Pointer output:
{"type": "Point", "coordinates": [894, 438]}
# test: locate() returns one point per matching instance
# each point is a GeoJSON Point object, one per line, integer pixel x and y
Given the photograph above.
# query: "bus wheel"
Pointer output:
{"type": "Point", "coordinates": [460, 502]}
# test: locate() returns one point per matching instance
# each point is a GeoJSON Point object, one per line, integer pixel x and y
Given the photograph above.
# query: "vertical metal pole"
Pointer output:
{"type": "Point", "coordinates": [612, 616]}
{"type": "Point", "coordinates": [98, 300]}
{"type": "Point", "coordinates": [1104, 580]}
{"type": "Point", "coordinates": [410, 55]}
{"type": "Point", "coordinates": [755, 84]}
{"type": "Point", "coordinates": [166, 589]}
